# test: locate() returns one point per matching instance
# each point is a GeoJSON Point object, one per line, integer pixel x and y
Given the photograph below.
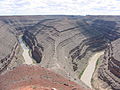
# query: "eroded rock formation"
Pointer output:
{"type": "Point", "coordinates": [8, 46]}
{"type": "Point", "coordinates": [63, 44]}
{"type": "Point", "coordinates": [109, 70]}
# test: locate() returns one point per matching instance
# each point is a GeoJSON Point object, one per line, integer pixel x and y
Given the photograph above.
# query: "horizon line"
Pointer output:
{"type": "Point", "coordinates": [58, 15]}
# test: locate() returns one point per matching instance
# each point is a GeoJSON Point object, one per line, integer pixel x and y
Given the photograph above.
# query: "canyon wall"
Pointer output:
{"type": "Point", "coordinates": [109, 70]}
{"type": "Point", "coordinates": [63, 44]}
{"type": "Point", "coordinates": [8, 45]}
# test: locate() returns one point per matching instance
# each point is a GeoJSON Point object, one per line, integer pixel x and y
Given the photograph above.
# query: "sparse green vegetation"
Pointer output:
{"type": "Point", "coordinates": [81, 73]}
{"type": "Point", "coordinates": [97, 64]}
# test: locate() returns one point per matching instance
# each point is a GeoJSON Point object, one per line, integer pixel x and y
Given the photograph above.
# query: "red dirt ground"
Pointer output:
{"type": "Point", "coordinates": [32, 77]}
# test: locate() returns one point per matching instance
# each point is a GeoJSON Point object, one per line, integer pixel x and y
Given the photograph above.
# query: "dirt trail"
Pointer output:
{"type": "Point", "coordinates": [87, 75]}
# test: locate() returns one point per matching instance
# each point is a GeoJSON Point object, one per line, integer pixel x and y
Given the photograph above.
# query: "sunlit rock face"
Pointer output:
{"type": "Point", "coordinates": [109, 71]}
{"type": "Point", "coordinates": [8, 45]}
{"type": "Point", "coordinates": [62, 44]}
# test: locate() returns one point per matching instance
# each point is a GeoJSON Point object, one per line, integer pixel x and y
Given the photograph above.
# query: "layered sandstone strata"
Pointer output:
{"type": "Point", "coordinates": [109, 71]}
{"type": "Point", "coordinates": [64, 43]}
{"type": "Point", "coordinates": [8, 46]}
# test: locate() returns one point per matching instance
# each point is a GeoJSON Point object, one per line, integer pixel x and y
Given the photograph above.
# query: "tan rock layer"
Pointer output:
{"type": "Point", "coordinates": [6, 61]}
{"type": "Point", "coordinates": [109, 71]}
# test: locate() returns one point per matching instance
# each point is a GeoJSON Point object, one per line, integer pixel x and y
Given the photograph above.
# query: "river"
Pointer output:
{"type": "Point", "coordinates": [25, 54]}
{"type": "Point", "coordinates": [87, 74]}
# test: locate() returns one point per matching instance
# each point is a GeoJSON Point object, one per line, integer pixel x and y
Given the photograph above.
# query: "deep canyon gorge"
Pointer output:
{"type": "Point", "coordinates": [63, 45]}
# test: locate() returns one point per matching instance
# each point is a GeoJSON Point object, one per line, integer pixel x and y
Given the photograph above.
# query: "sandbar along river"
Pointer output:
{"type": "Point", "coordinates": [87, 74]}
{"type": "Point", "coordinates": [25, 54]}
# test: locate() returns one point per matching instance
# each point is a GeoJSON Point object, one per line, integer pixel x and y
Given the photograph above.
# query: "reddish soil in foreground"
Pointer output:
{"type": "Point", "coordinates": [31, 77]}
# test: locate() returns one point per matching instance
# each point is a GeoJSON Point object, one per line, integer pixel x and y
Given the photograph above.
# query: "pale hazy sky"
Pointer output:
{"type": "Point", "coordinates": [62, 7]}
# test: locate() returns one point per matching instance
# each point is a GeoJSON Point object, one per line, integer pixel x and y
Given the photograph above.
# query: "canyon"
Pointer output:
{"type": "Point", "coordinates": [89, 70]}
{"type": "Point", "coordinates": [63, 45]}
{"type": "Point", "coordinates": [27, 58]}
{"type": "Point", "coordinates": [108, 73]}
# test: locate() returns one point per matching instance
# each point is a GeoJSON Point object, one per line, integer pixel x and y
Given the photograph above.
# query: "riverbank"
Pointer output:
{"type": "Point", "coordinates": [25, 54]}
{"type": "Point", "coordinates": [88, 72]}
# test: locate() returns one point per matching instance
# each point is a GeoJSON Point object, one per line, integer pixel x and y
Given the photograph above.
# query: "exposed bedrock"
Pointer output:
{"type": "Point", "coordinates": [8, 46]}
{"type": "Point", "coordinates": [36, 49]}
{"type": "Point", "coordinates": [109, 71]}
{"type": "Point", "coordinates": [64, 43]}
{"type": "Point", "coordinates": [6, 61]}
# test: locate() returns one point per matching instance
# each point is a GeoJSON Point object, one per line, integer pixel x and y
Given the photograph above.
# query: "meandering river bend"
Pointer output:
{"type": "Point", "coordinates": [87, 74]}
{"type": "Point", "coordinates": [26, 56]}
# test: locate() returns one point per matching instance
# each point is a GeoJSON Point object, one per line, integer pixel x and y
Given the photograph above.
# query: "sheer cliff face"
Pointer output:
{"type": "Point", "coordinates": [8, 45]}
{"type": "Point", "coordinates": [109, 71]}
{"type": "Point", "coordinates": [64, 43]}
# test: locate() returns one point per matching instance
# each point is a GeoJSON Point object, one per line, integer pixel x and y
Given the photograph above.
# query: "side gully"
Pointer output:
{"type": "Point", "coordinates": [6, 61]}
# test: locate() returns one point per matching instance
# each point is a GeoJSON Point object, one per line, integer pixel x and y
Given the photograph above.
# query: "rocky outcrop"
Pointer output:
{"type": "Point", "coordinates": [36, 50]}
{"type": "Point", "coordinates": [64, 43]}
{"type": "Point", "coordinates": [8, 46]}
{"type": "Point", "coordinates": [28, 77]}
{"type": "Point", "coordinates": [6, 61]}
{"type": "Point", "coordinates": [109, 70]}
